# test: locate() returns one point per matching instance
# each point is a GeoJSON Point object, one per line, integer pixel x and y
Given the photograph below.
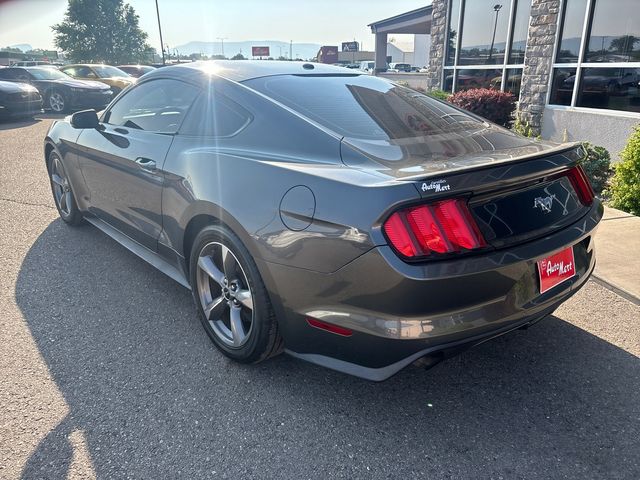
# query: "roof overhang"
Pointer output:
{"type": "Point", "coordinates": [416, 21]}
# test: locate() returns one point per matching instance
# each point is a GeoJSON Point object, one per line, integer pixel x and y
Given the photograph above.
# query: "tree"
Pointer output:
{"type": "Point", "coordinates": [624, 44]}
{"type": "Point", "coordinates": [102, 31]}
{"type": "Point", "coordinates": [238, 56]}
{"type": "Point", "coordinates": [12, 49]}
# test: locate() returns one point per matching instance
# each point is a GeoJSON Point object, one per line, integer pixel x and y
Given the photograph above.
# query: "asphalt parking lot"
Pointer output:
{"type": "Point", "coordinates": [106, 372]}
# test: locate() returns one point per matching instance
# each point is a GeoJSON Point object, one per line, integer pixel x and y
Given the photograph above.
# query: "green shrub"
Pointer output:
{"type": "Point", "coordinates": [597, 166]}
{"type": "Point", "coordinates": [439, 94]}
{"type": "Point", "coordinates": [494, 105]}
{"type": "Point", "coordinates": [522, 127]}
{"type": "Point", "coordinates": [625, 183]}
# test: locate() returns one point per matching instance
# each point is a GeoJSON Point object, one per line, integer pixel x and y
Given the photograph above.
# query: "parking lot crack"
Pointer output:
{"type": "Point", "coordinates": [32, 204]}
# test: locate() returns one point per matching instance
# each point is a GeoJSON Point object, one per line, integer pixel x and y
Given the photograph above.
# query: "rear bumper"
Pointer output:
{"type": "Point", "coordinates": [399, 312]}
{"type": "Point", "coordinates": [21, 109]}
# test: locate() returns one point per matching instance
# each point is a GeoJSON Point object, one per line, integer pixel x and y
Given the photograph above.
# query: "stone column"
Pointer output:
{"type": "Point", "coordinates": [381, 53]}
{"type": "Point", "coordinates": [438, 39]}
{"type": "Point", "coordinates": [538, 59]}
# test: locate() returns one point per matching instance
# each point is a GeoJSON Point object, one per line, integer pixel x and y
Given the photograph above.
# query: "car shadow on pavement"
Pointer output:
{"type": "Point", "coordinates": [13, 123]}
{"type": "Point", "coordinates": [155, 399]}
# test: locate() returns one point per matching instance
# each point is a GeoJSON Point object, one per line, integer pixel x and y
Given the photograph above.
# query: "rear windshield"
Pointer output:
{"type": "Point", "coordinates": [366, 107]}
{"type": "Point", "coordinates": [106, 71]}
{"type": "Point", "coordinates": [47, 73]}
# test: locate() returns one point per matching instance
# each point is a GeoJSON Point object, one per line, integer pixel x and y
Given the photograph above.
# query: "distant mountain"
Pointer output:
{"type": "Point", "coordinates": [25, 47]}
{"type": "Point", "coordinates": [302, 50]}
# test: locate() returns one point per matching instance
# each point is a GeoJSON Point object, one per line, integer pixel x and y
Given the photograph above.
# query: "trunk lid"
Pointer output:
{"type": "Point", "coordinates": [515, 194]}
{"type": "Point", "coordinates": [472, 147]}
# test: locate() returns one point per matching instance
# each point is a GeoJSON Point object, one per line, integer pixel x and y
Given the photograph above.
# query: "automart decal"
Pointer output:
{"type": "Point", "coordinates": [436, 186]}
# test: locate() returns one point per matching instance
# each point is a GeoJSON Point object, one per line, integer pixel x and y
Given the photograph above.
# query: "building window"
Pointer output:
{"type": "Point", "coordinates": [452, 38]}
{"type": "Point", "coordinates": [597, 62]}
{"type": "Point", "coordinates": [485, 44]}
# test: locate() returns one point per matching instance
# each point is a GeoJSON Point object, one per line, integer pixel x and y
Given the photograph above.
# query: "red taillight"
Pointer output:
{"type": "Point", "coordinates": [581, 185]}
{"type": "Point", "coordinates": [441, 228]}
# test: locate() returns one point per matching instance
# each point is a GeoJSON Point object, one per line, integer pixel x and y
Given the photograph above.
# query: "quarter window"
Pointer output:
{"type": "Point", "coordinates": [215, 115]}
{"type": "Point", "coordinates": [155, 106]}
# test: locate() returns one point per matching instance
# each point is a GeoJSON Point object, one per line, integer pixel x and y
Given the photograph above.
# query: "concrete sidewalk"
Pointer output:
{"type": "Point", "coordinates": [618, 251]}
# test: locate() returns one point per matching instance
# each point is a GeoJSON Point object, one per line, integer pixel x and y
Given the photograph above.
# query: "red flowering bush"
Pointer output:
{"type": "Point", "coordinates": [494, 105]}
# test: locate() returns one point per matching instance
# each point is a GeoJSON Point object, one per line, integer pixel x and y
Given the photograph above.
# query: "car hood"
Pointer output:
{"type": "Point", "coordinates": [433, 155]}
{"type": "Point", "coordinates": [12, 87]}
{"type": "Point", "coordinates": [86, 84]}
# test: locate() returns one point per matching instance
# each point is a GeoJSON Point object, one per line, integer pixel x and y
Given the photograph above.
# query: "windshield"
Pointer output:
{"type": "Point", "coordinates": [47, 73]}
{"type": "Point", "coordinates": [106, 71]}
{"type": "Point", "coordinates": [365, 107]}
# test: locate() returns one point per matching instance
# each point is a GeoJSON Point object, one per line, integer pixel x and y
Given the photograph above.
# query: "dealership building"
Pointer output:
{"type": "Point", "coordinates": [573, 65]}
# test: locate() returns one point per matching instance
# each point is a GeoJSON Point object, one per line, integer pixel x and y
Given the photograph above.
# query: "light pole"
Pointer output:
{"type": "Point", "coordinates": [222, 39]}
{"type": "Point", "coordinates": [160, 30]}
{"type": "Point", "coordinates": [290, 49]}
{"type": "Point", "coordinates": [496, 8]}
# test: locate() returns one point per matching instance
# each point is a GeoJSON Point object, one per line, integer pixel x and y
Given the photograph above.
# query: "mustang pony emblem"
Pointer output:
{"type": "Point", "coordinates": [545, 203]}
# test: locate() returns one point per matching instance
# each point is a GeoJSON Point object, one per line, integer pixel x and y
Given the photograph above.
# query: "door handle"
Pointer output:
{"type": "Point", "coordinates": [146, 164]}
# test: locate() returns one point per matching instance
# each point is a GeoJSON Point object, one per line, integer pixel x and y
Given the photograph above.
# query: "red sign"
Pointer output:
{"type": "Point", "coordinates": [260, 51]}
{"type": "Point", "coordinates": [556, 269]}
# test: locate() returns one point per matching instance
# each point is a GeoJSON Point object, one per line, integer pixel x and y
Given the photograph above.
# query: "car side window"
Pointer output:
{"type": "Point", "coordinates": [155, 106]}
{"type": "Point", "coordinates": [70, 71]}
{"type": "Point", "coordinates": [85, 72]}
{"type": "Point", "coordinates": [215, 115]}
{"type": "Point", "coordinates": [13, 74]}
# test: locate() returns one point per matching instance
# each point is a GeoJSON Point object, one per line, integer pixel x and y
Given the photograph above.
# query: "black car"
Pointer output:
{"type": "Point", "coordinates": [19, 100]}
{"type": "Point", "coordinates": [136, 70]}
{"type": "Point", "coordinates": [336, 216]}
{"type": "Point", "coordinates": [61, 93]}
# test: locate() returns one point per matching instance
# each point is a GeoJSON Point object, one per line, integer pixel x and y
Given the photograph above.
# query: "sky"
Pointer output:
{"type": "Point", "coordinates": [327, 22]}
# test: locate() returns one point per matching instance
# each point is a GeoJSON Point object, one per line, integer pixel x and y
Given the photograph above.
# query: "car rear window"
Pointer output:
{"type": "Point", "coordinates": [362, 106]}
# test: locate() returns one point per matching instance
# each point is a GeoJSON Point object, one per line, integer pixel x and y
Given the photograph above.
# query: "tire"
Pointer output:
{"type": "Point", "coordinates": [224, 282]}
{"type": "Point", "coordinates": [57, 102]}
{"type": "Point", "coordinates": [63, 195]}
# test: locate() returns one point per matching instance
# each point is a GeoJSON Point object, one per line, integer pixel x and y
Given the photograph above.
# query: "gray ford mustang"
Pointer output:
{"type": "Point", "coordinates": [336, 216]}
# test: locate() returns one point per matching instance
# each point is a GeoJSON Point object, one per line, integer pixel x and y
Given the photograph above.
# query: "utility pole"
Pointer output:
{"type": "Point", "coordinates": [160, 30]}
{"type": "Point", "coordinates": [496, 8]}
{"type": "Point", "coordinates": [290, 49]}
{"type": "Point", "coordinates": [222, 39]}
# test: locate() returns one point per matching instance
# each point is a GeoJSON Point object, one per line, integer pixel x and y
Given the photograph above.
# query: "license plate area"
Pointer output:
{"type": "Point", "coordinates": [516, 216]}
{"type": "Point", "coordinates": [556, 269]}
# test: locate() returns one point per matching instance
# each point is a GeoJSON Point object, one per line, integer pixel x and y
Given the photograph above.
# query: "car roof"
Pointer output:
{"type": "Point", "coordinates": [241, 70]}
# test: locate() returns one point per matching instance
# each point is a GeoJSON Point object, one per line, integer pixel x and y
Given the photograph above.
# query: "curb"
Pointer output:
{"type": "Point", "coordinates": [617, 290]}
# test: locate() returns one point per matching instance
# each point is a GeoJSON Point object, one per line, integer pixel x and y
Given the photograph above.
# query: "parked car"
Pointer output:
{"type": "Point", "coordinates": [30, 63]}
{"type": "Point", "coordinates": [361, 232]}
{"type": "Point", "coordinates": [112, 76]}
{"type": "Point", "coordinates": [367, 66]}
{"type": "Point", "coordinates": [399, 67]}
{"type": "Point", "coordinates": [19, 100]}
{"type": "Point", "coordinates": [61, 93]}
{"type": "Point", "coordinates": [136, 70]}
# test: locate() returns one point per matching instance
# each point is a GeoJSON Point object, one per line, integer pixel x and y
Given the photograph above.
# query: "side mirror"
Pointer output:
{"type": "Point", "coordinates": [85, 119]}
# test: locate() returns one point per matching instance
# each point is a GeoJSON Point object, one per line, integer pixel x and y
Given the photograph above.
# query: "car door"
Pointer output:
{"type": "Point", "coordinates": [122, 161]}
